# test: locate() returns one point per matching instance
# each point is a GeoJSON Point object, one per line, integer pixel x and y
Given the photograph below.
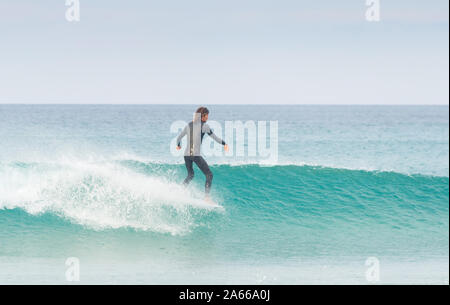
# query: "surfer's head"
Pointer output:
{"type": "Point", "coordinates": [203, 113]}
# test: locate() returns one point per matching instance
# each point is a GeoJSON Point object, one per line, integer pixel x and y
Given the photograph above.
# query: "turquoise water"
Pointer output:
{"type": "Point", "coordinates": [99, 183]}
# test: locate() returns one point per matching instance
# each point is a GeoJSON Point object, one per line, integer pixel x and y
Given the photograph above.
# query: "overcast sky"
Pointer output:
{"type": "Point", "coordinates": [224, 51]}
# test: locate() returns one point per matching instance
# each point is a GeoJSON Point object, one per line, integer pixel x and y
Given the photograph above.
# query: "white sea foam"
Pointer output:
{"type": "Point", "coordinates": [101, 195]}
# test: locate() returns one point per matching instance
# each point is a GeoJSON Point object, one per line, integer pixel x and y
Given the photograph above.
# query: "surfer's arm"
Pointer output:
{"type": "Point", "coordinates": [182, 134]}
{"type": "Point", "coordinates": [213, 135]}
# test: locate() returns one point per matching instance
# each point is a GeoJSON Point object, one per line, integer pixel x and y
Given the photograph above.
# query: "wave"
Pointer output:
{"type": "Point", "coordinates": [100, 196]}
{"type": "Point", "coordinates": [71, 156]}
{"type": "Point", "coordinates": [148, 196]}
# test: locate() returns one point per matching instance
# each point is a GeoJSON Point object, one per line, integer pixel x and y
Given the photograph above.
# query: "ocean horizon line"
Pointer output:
{"type": "Point", "coordinates": [174, 104]}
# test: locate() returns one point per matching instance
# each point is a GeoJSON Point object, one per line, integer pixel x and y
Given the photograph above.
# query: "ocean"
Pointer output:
{"type": "Point", "coordinates": [350, 186]}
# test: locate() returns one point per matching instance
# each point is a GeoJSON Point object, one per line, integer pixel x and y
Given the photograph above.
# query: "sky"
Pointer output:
{"type": "Point", "coordinates": [224, 52]}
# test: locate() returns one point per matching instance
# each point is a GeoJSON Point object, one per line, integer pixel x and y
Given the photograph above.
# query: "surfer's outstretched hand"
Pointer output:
{"type": "Point", "coordinates": [178, 147]}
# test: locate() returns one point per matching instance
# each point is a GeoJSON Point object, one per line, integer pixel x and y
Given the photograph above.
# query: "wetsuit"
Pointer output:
{"type": "Point", "coordinates": [195, 132]}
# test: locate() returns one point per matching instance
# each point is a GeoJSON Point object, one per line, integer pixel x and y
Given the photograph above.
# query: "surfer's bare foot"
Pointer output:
{"type": "Point", "coordinates": [209, 200]}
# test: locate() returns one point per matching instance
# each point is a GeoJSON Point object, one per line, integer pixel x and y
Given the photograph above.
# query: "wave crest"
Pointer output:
{"type": "Point", "coordinates": [101, 196]}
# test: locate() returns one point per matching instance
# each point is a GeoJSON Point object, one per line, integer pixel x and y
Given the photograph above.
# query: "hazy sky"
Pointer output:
{"type": "Point", "coordinates": [224, 51]}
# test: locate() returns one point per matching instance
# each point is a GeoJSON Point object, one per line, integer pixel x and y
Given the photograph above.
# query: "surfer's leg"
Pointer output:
{"type": "Point", "coordinates": [190, 170]}
{"type": "Point", "coordinates": [201, 163]}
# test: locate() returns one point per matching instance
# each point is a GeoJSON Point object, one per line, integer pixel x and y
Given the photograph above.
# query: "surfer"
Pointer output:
{"type": "Point", "coordinates": [195, 131]}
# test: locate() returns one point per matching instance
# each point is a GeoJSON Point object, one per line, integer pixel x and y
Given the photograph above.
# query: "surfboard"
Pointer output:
{"type": "Point", "coordinates": [205, 204]}
{"type": "Point", "coordinates": [210, 204]}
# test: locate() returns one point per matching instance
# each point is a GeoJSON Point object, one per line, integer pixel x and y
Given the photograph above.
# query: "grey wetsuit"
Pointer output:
{"type": "Point", "coordinates": [192, 154]}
